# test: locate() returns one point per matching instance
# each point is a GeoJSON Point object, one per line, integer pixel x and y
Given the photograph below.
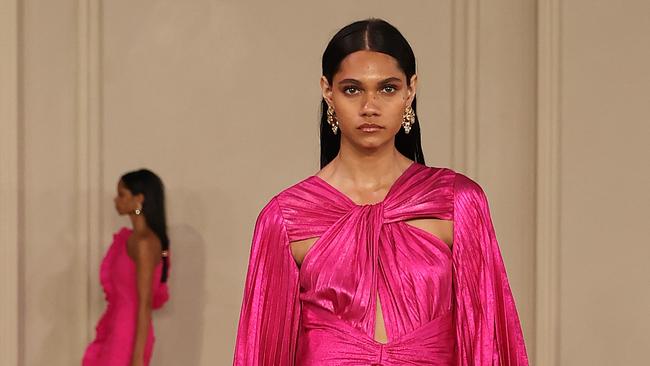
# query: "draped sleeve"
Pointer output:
{"type": "Point", "coordinates": [488, 331]}
{"type": "Point", "coordinates": [268, 323]}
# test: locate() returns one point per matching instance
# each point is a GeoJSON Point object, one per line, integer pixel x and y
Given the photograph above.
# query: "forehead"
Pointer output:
{"type": "Point", "coordinates": [368, 65]}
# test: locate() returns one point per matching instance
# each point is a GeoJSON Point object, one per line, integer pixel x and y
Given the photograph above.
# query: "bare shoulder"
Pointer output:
{"type": "Point", "coordinates": [145, 246]}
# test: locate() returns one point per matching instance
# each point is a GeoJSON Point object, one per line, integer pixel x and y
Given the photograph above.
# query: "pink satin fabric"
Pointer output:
{"type": "Point", "coordinates": [115, 332]}
{"type": "Point", "coordinates": [440, 307]}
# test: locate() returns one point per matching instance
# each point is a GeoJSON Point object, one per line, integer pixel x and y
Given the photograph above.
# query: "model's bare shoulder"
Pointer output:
{"type": "Point", "coordinates": [145, 248]}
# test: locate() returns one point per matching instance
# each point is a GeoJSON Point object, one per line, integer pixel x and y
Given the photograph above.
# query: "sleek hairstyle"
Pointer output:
{"type": "Point", "coordinates": [372, 35]}
{"type": "Point", "coordinates": [148, 184]}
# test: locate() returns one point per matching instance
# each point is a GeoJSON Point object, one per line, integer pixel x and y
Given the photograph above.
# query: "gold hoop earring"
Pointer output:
{"type": "Point", "coordinates": [408, 119]}
{"type": "Point", "coordinates": [331, 119]}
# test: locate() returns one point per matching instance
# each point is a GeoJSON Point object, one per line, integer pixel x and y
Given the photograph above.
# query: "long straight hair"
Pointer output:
{"type": "Point", "coordinates": [148, 184]}
{"type": "Point", "coordinates": [371, 35]}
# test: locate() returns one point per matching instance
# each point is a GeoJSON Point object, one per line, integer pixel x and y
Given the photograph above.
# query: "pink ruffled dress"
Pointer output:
{"type": "Point", "coordinates": [440, 306]}
{"type": "Point", "coordinates": [113, 344]}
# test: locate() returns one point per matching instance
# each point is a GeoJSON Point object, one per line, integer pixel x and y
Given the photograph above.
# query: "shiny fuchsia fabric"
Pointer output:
{"type": "Point", "coordinates": [440, 306]}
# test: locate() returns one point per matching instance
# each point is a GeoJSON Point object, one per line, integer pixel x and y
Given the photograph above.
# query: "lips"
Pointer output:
{"type": "Point", "coordinates": [370, 127]}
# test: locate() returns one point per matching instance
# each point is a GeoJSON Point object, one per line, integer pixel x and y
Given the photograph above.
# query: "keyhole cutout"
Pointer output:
{"type": "Point", "coordinates": [300, 248]}
{"type": "Point", "coordinates": [380, 326]}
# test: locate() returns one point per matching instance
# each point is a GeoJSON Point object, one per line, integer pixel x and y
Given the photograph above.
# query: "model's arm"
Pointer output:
{"type": "Point", "coordinates": [146, 255]}
{"type": "Point", "coordinates": [268, 323]}
{"type": "Point", "coordinates": [487, 324]}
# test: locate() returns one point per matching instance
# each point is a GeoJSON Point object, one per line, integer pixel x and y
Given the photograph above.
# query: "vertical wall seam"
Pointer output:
{"type": "Point", "coordinates": [88, 152]}
{"type": "Point", "coordinates": [548, 184]}
{"type": "Point", "coordinates": [9, 184]}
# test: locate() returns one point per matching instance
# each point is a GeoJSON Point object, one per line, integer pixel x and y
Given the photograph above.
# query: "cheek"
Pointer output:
{"type": "Point", "coordinates": [347, 110]}
{"type": "Point", "coordinates": [396, 112]}
{"type": "Point", "coordinates": [392, 115]}
{"type": "Point", "coordinates": [121, 203]}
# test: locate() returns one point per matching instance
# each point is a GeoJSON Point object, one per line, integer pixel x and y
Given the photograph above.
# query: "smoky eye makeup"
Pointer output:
{"type": "Point", "coordinates": [350, 89]}
{"type": "Point", "coordinates": [386, 86]}
{"type": "Point", "coordinates": [389, 88]}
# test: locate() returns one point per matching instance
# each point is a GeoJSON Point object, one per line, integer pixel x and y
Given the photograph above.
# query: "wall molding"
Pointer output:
{"type": "Point", "coordinates": [465, 93]}
{"type": "Point", "coordinates": [9, 184]}
{"type": "Point", "coordinates": [89, 158]}
{"type": "Point", "coordinates": [548, 184]}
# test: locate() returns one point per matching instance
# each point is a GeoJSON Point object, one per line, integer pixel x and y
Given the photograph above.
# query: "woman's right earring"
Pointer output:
{"type": "Point", "coordinates": [331, 119]}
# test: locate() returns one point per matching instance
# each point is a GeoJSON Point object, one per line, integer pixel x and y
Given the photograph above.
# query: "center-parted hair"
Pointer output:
{"type": "Point", "coordinates": [148, 184]}
{"type": "Point", "coordinates": [370, 35]}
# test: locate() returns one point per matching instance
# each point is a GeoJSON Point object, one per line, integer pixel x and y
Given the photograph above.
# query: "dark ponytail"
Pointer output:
{"type": "Point", "coordinates": [148, 184]}
{"type": "Point", "coordinates": [374, 35]}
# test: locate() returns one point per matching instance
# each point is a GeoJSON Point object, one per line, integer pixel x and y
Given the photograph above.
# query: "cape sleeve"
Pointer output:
{"type": "Point", "coordinates": [268, 322]}
{"type": "Point", "coordinates": [487, 325]}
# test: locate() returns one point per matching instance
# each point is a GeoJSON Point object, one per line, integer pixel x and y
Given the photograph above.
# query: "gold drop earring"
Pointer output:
{"type": "Point", "coordinates": [408, 119]}
{"type": "Point", "coordinates": [331, 119]}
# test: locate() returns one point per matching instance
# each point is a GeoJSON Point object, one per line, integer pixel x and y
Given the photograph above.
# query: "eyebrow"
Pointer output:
{"type": "Point", "coordinates": [357, 82]}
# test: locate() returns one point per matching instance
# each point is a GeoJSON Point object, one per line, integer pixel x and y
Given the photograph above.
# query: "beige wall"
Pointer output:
{"type": "Point", "coordinates": [9, 184]}
{"type": "Point", "coordinates": [220, 98]}
{"type": "Point", "coordinates": [53, 265]}
{"type": "Point", "coordinates": [592, 299]}
{"type": "Point", "coordinates": [605, 176]}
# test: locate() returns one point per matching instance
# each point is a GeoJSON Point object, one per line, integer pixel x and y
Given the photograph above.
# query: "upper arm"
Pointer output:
{"type": "Point", "coordinates": [146, 256]}
{"type": "Point", "coordinates": [268, 322]}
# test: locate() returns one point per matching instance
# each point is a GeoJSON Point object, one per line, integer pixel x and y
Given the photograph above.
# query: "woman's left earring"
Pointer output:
{"type": "Point", "coordinates": [408, 119]}
{"type": "Point", "coordinates": [138, 211]}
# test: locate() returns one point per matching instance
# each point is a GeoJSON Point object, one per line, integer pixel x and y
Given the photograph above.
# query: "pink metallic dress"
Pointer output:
{"type": "Point", "coordinates": [440, 306]}
{"type": "Point", "coordinates": [113, 344]}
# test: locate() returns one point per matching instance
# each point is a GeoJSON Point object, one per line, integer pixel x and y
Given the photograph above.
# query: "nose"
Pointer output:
{"type": "Point", "coordinates": [370, 105]}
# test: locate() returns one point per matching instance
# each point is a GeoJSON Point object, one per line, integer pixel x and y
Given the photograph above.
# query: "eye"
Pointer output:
{"type": "Point", "coordinates": [389, 89]}
{"type": "Point", "coordinates": [350, 90]}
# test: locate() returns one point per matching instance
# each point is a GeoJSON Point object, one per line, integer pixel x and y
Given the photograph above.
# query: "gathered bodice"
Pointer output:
{"type": "Point", "coordinates": [118, 275]}
{"type": "Point", "coordinates": [369, 251]}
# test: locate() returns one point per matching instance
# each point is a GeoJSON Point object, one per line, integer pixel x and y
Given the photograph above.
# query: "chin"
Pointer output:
{"type": "Point", "coordinates": [372, 142]}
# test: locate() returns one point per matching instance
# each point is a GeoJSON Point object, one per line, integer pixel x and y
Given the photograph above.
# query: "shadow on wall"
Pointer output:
{"type": "Point", "coordinates": [179, 324]}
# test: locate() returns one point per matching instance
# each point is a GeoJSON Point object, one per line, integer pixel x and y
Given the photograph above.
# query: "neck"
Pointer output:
{"type": "Point", "coordinates": [377, 167]}
{"type": "Point", "coordinates": [139, 223]}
